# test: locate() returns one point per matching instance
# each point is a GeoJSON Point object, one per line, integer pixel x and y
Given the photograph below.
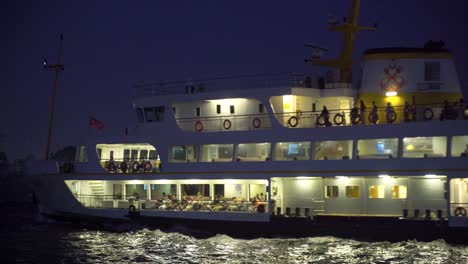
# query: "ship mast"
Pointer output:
{"type": "Point", "coordinates": [58, 67]}
{"type": "Point", "coordinates": [349, 28]}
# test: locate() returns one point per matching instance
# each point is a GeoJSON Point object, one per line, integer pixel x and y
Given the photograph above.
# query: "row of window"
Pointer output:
{"type": "Point", "coordinates": [386, 148]}
{"type": "Point", "coordinates": [375, 191]}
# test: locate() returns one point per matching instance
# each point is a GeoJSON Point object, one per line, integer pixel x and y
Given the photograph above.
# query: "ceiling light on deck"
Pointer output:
{"type": "Point", "coordinates": [384, 176]}
{"type": "Point", "coordinates": [431, 176]}
{"type": "Point", "coordinates": [341, 177]}
{"type": "Point", "coordinates": [391, 93]}
{"type": "Point", "coordinates": [301, 177]}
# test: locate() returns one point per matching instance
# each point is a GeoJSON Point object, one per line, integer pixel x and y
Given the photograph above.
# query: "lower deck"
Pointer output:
{"type": "Point", "coordinates": [433, 197]}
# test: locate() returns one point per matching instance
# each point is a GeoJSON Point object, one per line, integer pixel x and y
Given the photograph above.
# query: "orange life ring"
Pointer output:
{"type": "Point", "coordinates": [227, 124]}
{"type": "Point", "coordinates": [293, 121]}
{"type": "Point", "coordinates": [111, 167]}
{"type": "Point", "coordinates": [428, 114]}
{"type": "Point", "coordinates": [256, 122]}
{"type": "Point", "coordinates": [147, 166]}
{"type": "Point", "coordinates": [135, 166]}
{"type": "Point", "coordinates": [123, 166]}
{"type": "Point", "coordinates": [198, 126]}
{"type": "Point", "coordinates": [338, 119]}
{"type": "Point", "coordinates": [460, 211]}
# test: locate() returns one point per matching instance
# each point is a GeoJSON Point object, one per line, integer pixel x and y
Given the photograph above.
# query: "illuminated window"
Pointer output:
{"type": "Point", "coordinates": [352, 192]}
{"type": "Point", "coordinates": [376, 192]}
{"type": "Point", "coordinates": [183, 153]}
{"type": "Point", "coordinates": [378, 148]}
{"type": "Point", "coordinates": [195, 191]}
{"type": "Point", "coordinates": [253, 152]}
{"type": "Point", "coordinates": [331, 191]}
{"type": "Point", "coordinates": [399, 192]}
{"type": "Point", "coordinates": [326, 150]}
{"type": "Point", "coordinates": [160, 191]}
{"type": "Point", "coordinates": [459, 146]}
{"type": "Point", "coordinates": [217, 152]}
{"type": "Point", "coordinates": [292, 151]}
{"type": "Point", "coordinates": [424, 147]}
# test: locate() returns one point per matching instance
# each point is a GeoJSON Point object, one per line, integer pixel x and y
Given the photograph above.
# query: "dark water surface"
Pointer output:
{"type": "Point", "coordinates": [25, 237]}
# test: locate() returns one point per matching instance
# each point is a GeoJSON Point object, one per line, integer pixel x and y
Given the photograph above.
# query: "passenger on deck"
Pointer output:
{"type": "Point", "coordinates": [326, 116]}
{"type": "Point", "coordinates": [390, 112]}
{"type": "Point", "coordinates": [363, 112]}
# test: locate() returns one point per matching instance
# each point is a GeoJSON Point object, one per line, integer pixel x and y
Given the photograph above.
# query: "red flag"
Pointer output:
{"type": "Point", "coordinates": [94, 123]}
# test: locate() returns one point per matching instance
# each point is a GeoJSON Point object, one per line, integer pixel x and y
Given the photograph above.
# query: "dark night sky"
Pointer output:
{"type": "Point", "coordinates": [111, 45]}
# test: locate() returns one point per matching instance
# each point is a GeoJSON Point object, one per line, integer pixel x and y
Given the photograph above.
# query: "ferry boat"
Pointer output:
{"type": "Point", "coordinates": [309, 157]}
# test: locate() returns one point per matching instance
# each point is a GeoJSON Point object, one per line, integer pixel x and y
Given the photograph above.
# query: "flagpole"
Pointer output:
{"type": "Point", "coordinates": [57, 68]}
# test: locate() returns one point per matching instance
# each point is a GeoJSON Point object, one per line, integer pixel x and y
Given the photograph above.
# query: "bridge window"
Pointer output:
{"type": "Point", "coordinates": [432, 71]}
{"type": "Point", "coordinates": [424, 147]}
{"type": "Point", "coordinates": [217, 152]}
{"type": "Point", "coordinates": [253, 152]}
{"type": "Point", "coordinates": [459, 146]}
{"type": "Point", "coordinates": [292, 151]}
{"type": "Point", "coordinates": [333, 150]}
{"type": "Point", "coordinates": [378, 148]}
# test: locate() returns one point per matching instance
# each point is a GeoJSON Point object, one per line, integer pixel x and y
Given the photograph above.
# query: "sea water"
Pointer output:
{"type": "Point", "coordinates": [28, 238]}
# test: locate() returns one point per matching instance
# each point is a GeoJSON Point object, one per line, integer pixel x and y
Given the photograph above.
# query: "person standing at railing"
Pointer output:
{"type": "Point", "coordinates": [374, 116]}
{"type": "Point", "coordinates": [363, 112]}
{"type": "Point", "coordinates": [390, 113]}
{"type": "Point", "coordinates": [325, 115]}
{"type": "Point", "coordinates": [406, 112]}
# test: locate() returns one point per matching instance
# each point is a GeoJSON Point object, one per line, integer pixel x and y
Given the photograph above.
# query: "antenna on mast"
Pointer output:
{"type": "Point", "coordinates": [58, 67]}
{"type": "Point", "coordinates": [349, 27]}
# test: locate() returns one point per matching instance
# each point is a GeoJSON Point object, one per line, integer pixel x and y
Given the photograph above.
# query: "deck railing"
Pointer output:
{"type": "Point", "coordinates": [166, 204]}
{"type": "Point", "coordinates": [336, 117]}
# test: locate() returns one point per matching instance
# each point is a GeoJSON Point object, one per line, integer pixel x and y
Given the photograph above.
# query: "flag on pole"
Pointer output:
{"type": "Point", "coordinates": [94, 123]}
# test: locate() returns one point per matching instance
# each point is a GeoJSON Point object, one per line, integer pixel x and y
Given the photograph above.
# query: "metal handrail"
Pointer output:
{"type": "Point", "coordinates": [337, 117]}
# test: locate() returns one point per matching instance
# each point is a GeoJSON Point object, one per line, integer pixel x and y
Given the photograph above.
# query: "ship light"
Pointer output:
{"type": "Point", "coordinates": [341, 177]}
{"type": "Point", "coordinates": [431, 176]}
{"type": "Point", "coordinates": [391, 93]}
{"type": "Point", "coordinates": [385, 176]}
{"type": "Point", "coordinates": [301, 177]}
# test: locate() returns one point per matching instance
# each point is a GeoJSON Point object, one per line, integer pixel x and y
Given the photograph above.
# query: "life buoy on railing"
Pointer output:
{"type": "Point", "coordinates": [147, 166]}
{"type": "Point", "coordinates": [293, 121]}
{"type": "Point", "coordinates": [459, 211]}
{"type": "Point", "coordinates": [428, 114]}
{"type": "Point", "coordinates": [338, 119]}
{"type": "Point", "coordinates": [111, 166]}
{"type": "Point", "coordinates": [227, 124]}
{"type": "Point", "coordinates": [256, 122]}
{"type": "Point", "coordinates": [373, 117]}
{"type": "Point", "coordinates": [465, 113]}
{"type": "Point", "coordinates": [123, 166]}
{"type": "Point", "coordinates": [68, 167]}
{"type": "Point", "coordinates": [355, 118]}
{"type": "Point", "coordinates": [135, 166]}
{"type": "Point", "coordinates": [198, 126]}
